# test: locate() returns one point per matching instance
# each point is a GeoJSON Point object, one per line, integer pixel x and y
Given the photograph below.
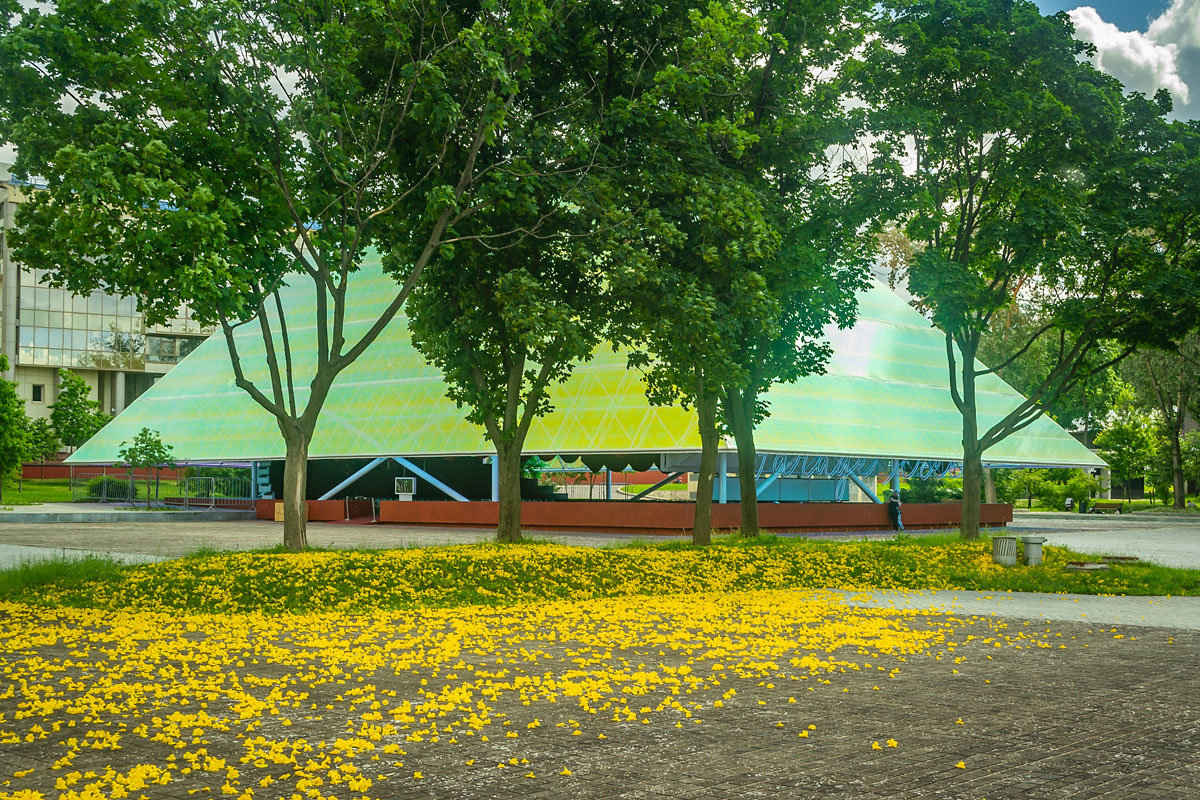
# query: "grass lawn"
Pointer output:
{"type": "Point", "coordinates": [58, 490]}
{"type": "Point", "coordinates": [1127, 506]}
{"type": "Point", "coordinates": [48, 490]}
{"type": "Point", "coordinates": [503, 575]}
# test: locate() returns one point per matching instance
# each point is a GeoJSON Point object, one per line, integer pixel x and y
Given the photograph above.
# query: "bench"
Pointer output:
{"type": "Point", "coordinates": [1103, 508]}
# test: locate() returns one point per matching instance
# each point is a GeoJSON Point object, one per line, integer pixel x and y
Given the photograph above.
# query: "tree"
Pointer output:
{"type": "Point", "coordinates": [43, 443]}
{"type": "Point", "coordinates": [1168, 381]}
{"type": "Point", "coordinates": [505, 326]}
{"type": "Point", "coordinates": [75, 416]}
{"type": "Point", "coordinates": [761, 222]}
{"type": "Point", "coordinates": [14, 433]}
{"type": "Point", "coordinates": [212, 152]}
{"type": "Point", "coordinates": [146, 451]}
{"type": "Point", "coordinates": [1034, 184]}
{"type": "Point", "coordinates": [506, 318]}
{"type": "Point", "coordinates": [1082, 407]}
{"type": "Point", "coordinates": [1127, 444]}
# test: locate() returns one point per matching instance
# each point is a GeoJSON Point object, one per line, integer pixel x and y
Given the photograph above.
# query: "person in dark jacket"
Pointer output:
{"type": "Point", "coordinates": [894, 511]}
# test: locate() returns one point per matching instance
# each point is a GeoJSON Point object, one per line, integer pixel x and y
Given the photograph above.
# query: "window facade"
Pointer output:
{"type": "Point", "coordinates": [39, 392]}
{"type": "Point", "coordinates": [99, 331]}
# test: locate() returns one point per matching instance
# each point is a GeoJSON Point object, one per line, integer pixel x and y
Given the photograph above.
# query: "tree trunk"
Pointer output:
{"type": "Point", "coordinates": [989, 485]}
{"type": "Point", "coordinates": [295, 490]}
{"type": "Point", "coordinates": [972, 484]}
{"type": "Point", "coordinates": [509, 465]}
{"type": "Point", "coordinates": [739, 409]}
{"type": "Point", "coordinates": [1177, 481]}
{"type": "Point", "coordinates": [972, 453]}
{"type": "Point", "coordinates": [706, 412]}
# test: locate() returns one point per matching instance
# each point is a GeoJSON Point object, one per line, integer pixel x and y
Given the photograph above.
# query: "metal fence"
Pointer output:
{"type": "Point", "coordinates": [114, 486]}
{"type": "Point", "coordinates": [104, 487]}
{"type": "Point", "coordinates": [213, 492]}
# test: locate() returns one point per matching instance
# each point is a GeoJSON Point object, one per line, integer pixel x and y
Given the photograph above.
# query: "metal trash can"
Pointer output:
{"type": "Point", "coordinates": [1004, 550]}
{"type": "Point", "coordinates": [1033, 549]}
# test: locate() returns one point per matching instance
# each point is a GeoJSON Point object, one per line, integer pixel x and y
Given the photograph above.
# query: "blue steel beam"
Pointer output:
{"type": "Point", "coordinates": [866, 489]}
{"type": "Point", "coordinates": [370, 466]}
{"type": "Point", "coordinates": [420, 473]}
{"type": "Point", "coordinates": [774, 477]}
{"type": "Point", "coordinates": [723, 478]}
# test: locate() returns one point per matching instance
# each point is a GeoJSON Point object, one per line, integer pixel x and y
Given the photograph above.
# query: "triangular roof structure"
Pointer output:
{"type": "Point", "coordinates": [884, 395]}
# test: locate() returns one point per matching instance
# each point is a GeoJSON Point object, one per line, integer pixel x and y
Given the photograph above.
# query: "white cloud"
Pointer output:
{"type": "Point", "coordinates": [1166, 56]}
{"type": "Point", "coordinates": [1136, 58]}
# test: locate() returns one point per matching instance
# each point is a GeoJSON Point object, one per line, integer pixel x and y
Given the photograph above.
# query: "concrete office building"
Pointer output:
{"type": "Point", "coordinates": [101, 337]}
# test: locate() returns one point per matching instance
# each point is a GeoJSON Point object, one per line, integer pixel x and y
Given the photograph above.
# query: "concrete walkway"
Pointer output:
{"type": "Point", "coordinates": [1169, 539]}
{"type": "Point", "coordinates": [1158, 612]}
{"type": "Point", "coordinates": [60, 513]}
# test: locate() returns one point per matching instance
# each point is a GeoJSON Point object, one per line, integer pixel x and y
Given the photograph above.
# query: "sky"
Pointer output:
{"type": "Point", "coordinates": [1147, 44]}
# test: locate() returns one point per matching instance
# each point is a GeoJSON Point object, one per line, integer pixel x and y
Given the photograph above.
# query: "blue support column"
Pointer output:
{"type": "Point", "coordinates": [607, 484]}
{"type": "Point", "coordinates": [723, 478]}
{"type": "Point", "coordinates": [370, 466]}
{"type": "Point", "coordinates": [759, 490]}
{"type": "Point", "coordinates": [866, 489]}
{"type": "Point", "coordinates": [495, 479]}
{"type": "Point", "coordinates": [434, 482]}
{"type": "Point", "coordinates": [253, 480]}
{"type": "Point", "coordinates": [896, 477]}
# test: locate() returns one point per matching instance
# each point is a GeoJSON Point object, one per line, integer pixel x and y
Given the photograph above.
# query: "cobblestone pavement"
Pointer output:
{"type": "Point", "coordinates": [1065, 711]}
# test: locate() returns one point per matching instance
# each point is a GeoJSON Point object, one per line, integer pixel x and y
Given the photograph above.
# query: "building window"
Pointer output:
{"type": "Point", "coordinates": [39, 392]}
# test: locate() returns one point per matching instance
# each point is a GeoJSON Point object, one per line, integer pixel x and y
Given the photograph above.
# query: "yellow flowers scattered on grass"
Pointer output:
{"type": "Point", "coordinates": [490, 574]}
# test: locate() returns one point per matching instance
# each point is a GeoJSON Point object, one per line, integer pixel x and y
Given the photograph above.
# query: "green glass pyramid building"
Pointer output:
{"type": "Point", "coordinates": [884, 395]}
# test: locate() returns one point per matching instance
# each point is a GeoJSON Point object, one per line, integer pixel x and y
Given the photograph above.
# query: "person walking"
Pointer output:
{"type": "Point", "coordinates": [894, 511]}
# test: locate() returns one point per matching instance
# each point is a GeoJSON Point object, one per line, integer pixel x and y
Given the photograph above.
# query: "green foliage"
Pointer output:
{"type": "Point", "coordinates": [43, 443]}
{"type": "Point", "coordinates": [1085, 405]}
{"type": "Point", "coordinates": [145, 451]}
{"type": "Point", "coordinates": [1036, 186]}
{"type": "Point", "coordinates": [14, 431]}
{"type": "Point", "coordinates": [366, 581]}
{"type": "Point", "coordinates": [1127, 444]}
{"type": "Point", "coordinates": [926, 490]}
{"type": "Point", "coordinates": [210, 152]}
{"type": "Point", "coordinates": [1191, 455]}
{"type": "Point", "coordinates": [1081, 487]}
{"type": "Point", "coordinates": [31, 576]}
{"type": "Point", "coordinates": [74, 415]}
{"type": "Point", "coordinates": [108, 488]}
{"type": "Point", "coordinates": [1167, 381]}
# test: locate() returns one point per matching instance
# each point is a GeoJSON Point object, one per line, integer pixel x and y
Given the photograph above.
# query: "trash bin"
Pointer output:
{"type": "Point", "coordinates": [1033, 549]}
{"type": "Point", "coordinates": [1004, 550]}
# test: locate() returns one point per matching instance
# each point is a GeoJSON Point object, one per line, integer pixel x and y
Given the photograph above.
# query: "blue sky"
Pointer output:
{"type": "Point", "coordinates": [1147, 44]}
{"type": "Point", "coordinates": [1128, 15]}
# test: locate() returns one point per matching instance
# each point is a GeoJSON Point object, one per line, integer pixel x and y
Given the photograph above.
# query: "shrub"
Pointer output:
{"type": "Point", "coordinates": [1082, 487]}
{"type": "Point", "coordinates": [111, 487]}
{"type": "Point", "coordinates": [1051, 495]}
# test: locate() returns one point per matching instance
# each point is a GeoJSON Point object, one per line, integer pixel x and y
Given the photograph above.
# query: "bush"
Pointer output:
{"type": "Point", "coordinates": [1082, 487]}
{"type": "Point", "coordinates": [926, 490]}
{"type": "Point", "coordinates": [1051, 495]}
{"type": "Point", "coordinates": [111, 487]}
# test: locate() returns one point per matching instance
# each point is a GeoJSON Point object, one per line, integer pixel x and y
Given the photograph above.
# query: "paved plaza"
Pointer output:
{"type": "Point", "coordinates": [1010, 697]}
